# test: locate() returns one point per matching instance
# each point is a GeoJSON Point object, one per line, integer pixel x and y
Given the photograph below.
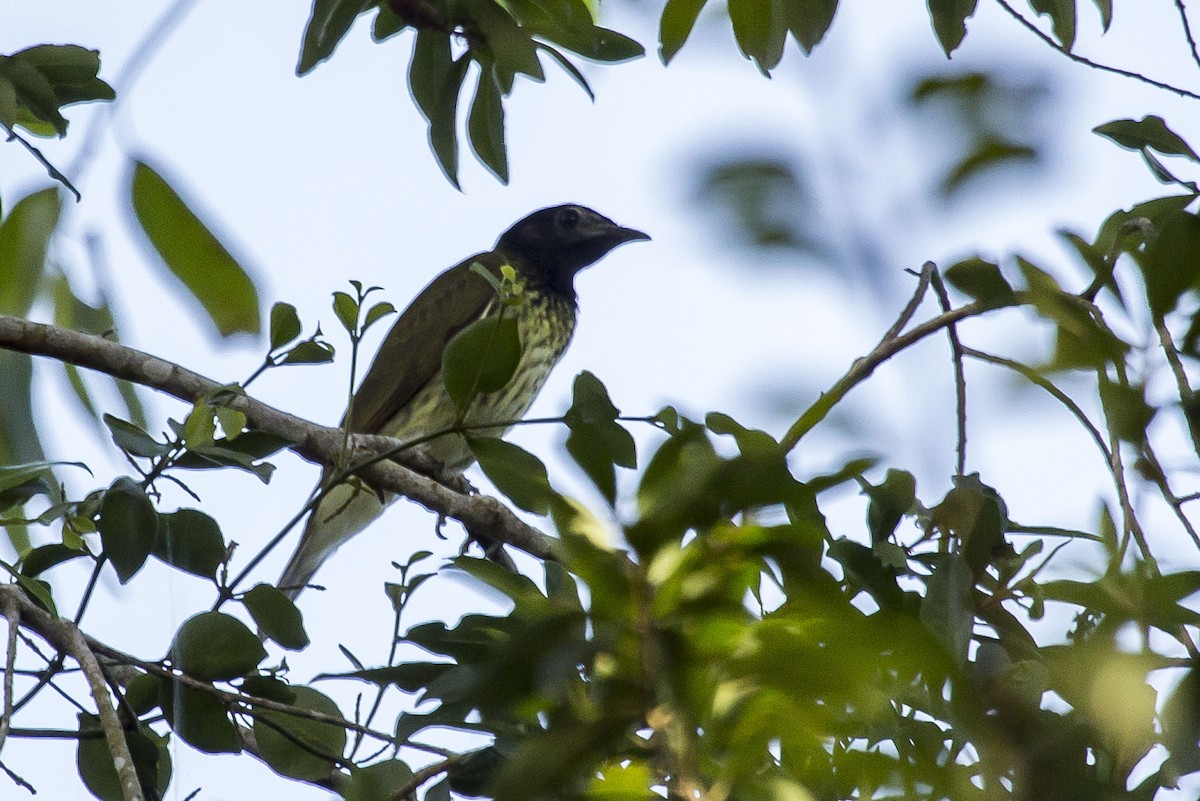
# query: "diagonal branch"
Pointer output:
{"type": "Point", "coordinates": [482, 515]}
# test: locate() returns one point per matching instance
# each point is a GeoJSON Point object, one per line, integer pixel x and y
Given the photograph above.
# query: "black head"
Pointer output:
{"type": "Point", "coordinates": [560, 241]}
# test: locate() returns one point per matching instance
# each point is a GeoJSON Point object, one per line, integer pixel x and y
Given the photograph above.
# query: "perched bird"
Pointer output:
{"type": "Point", "coordinates": [403, 394]}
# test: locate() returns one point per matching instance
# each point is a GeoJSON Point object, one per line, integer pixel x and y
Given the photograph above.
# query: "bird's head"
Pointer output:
{"type": "Point", "coordinates": [560, 241]}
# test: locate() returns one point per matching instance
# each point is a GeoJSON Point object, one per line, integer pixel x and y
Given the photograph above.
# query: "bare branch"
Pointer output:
{"type": "Point", "coordinates": [1187, 31]}
{"type": "Point", "coordinates": [960, 377]}
{"type": "Point", "coordinates": [1087, 62]}
{"type": "Point", "coordinates": [13, 616]}
{"type": "Point", "coordinates": [482, 515]}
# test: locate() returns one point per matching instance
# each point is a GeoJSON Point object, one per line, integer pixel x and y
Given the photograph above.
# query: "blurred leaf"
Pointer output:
{"type": "Point", "coordinates": [215, 647]}
{"type": "Point", "coordinates": [15, 475]}
{"type": "Point", "coordinates": [198, 717]}
{"type": "Point", "coordinates": [377, 782]}
{"type": "Point", "coordinates": [988, 154]}
{"type": "Point", "coordinates": [24, 237]}
{"type": "Point", "coordinates": [678, 19]}
{"type": "Point", "coordinates": [865, 572]}
{"type": "Point", "coordinates": [1126, 408]}
{"type": "Point", "coordinates": [151, 759]}
{"type": "Point", "coordinates": [1150, 132]}
{"type": "Point", "coordinates": [890, 501]}
{"type": "Point", "coordinates": [1062, 15]}
{"type": "Point", "coordinates": [329, 23]}
{"type": "Point", "coordinates": [516, 472]}
{"type": "Point", "coordinates": [194, 255]}
{"type": "Point", "coordinates": [481, 358]}
{"type": "Point", "coordinates": [410, 677]}
{"type": "Point", "coordinates": [947, 609]}
{"type": "Point", "coordinates": [1126, 231]}
{"type": "Point", "coordinates": [808, 20]}
{"type": "Point", "coordinates": [762, 201]}
{"type": "Point", "coordinates": [1081, 341]}
{"type": "Point", "coordinates": [128, 526]}
{"type": "Point", "coordinates": [307, 749]}
{"type": "Point", "coordinates": [597, 441]}
{"type": "Point", "coordinates": [472, 777]}
{"type": "Point", "coordinates": [485, 125]}
{"type": "Point", "coordinates": [285, 325]}
{"type": "Point", "coordinates": [976, 514]}
{"type": "Point", "coordinates": [191, 541]}
{"type": "Point", "coordinates": [38, 591]}
{"type": "Point", "coordinates": [949, 19]}
{"type": "Point", "coordinates": [276, 616]}
{"type": "Point", "coordinates": [759, 31]}
{"type": "Point", "coordinates": [982, 280]}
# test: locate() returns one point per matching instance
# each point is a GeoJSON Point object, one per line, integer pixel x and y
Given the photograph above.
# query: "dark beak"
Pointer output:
{"type": "Point", "coordinates": [620, 236]}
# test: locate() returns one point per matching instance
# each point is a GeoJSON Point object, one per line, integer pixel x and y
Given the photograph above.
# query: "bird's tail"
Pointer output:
{"type": "Point", "coordinates": [345, 511]}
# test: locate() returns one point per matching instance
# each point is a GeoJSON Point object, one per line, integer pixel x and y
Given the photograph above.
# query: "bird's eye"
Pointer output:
{"type": "Point", "coordinates": [570, 218]}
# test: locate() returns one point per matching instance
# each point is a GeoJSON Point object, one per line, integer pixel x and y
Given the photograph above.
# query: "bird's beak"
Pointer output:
{"type": "Point", "coordinates": [621, 235]}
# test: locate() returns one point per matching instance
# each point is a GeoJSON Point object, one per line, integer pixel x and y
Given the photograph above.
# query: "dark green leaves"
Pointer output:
{"type": "Point", "coordinates": [38, 81]}
{"type": "Point", "coordinates": [299, 747]}
{"type": "Point", "coordinates": [216, 647]}
{"type": "Point", "coordinates": [24, 236]}
{"type": "Point", "coordinates": [949, 19]}
{"type": "Point", "coordinates": [151, 759]}
{"type": "Point", "coordinates": [329, 22]}
{"type": "Point", "coordinates": [760, 33]}
{"type": "Point", "coordinates": [435, 78]}
{"type": "Point", "coordinates": [1062, 16]}
{"type": "Point", "coordinates": [678, 19]}
{"type": "Point", "coordinates": [193, 254]}
{"type": "Point", "coordinates": [128, 527]}
{"type": "Point", "coordinates": [485, 125]}
{"type": "Point", "coordinates": [285, 325]}
{"type": "Point", "coordinates": [947, 608]}
{"type": "Point", "coordinates": [481, 358]}
{"type": "Point", "coordinates": [808, 20]}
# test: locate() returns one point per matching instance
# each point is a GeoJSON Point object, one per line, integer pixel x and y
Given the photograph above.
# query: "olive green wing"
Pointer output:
{"type": "Point", "coordinates": [411, 354]}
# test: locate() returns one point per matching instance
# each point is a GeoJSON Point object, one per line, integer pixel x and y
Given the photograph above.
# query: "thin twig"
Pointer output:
{"type": "Point", "coordinates": [960, 377]}
{"type": "Point", "coordinates": [13, 617]}
{"type": "Point", "coordinates": [425, 774]}
{"type": "Point", "coordinates": [1158, 477]}
{"type": "Point", "coordinates": [1187, 397]}
{"type": "Point", "coordinates": [886, 349]}
{"type": "Point", "coordinates": [70, 638]}
{"type": "Point", "coordinates": [1187, 31]}
{"type": "Point", "coordinates": [1087, 62]}
{"type": "Point", "coordinates": [53, 171]}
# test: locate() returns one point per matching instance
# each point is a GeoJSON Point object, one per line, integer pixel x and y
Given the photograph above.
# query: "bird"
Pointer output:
{"type": "Point", "coordinates": [403, 394]}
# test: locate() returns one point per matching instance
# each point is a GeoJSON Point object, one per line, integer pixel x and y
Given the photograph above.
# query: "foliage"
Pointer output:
{"type": "Point", "coordinates": [707, 634]}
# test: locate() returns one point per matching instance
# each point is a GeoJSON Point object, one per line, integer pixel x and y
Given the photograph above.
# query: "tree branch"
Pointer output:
{"type": "Point", "coordinates": [482, 515]}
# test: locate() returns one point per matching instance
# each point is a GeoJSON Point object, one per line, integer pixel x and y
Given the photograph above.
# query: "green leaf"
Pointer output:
{"type": "Point", "coordinates": [70, 70]}
{"type": "Point", "coordinates": [1105, 8]}
{"type": "Point", "coordinates": [285, 325]}
{"type": "Point", "coordinates": [759, 31]}
{"type": "Point", "coordinates": [346, 309]}
{"type": "Point", "coordinates": [1171, 262]}
{"type": "Point", "coordinates": [990, 152]}
{"type": "Point", "coordinates": [24, 237]}
{"type": "Point", "coordinates": [982, 280]}
{"type": "Point", "coordinates": [142, 693]}
{"type": "Point", "coordinates": [308, 748]}
{"type": "Point", "coordinates": [215, 647]}
{"type": "Point", "coordinates": [436, 78]}
{"type": "Point", "coordinates": [132, 439]}
{"type": "Point", "coordinates": [597, 441]}
{"type": "Point", "coordinates": [377, 312]}
{"type": "Point", "coordinates": [39, 591]}
{"type": "Point", "coordinates": [506, 44]}
{"type": "Point", "coordinates": [387, 24]}
{"type": "Point", "coordinates": [516, 472]}
{"type": "Point", "coordinates": [949, 19]}
{"type": "Point", "coordinates": [481, 358]}
{"type": "Point", "coordinates": [151, 759]}
{"type": "Point", "coordinates": [191, 541]}
{"type": "Point", "coordinates": [947, 609]}
{"type": "Point", "coordinates": [41, 559]}
{"type": "Point", "coordinates": [485, 125]}
{"type": "Point", "coordinates": [376, 782]}
{"type": "Point", "coordinates": [128, 527]}
{"type": "Point", "coordinates": [865, 572]}
{"type": "Point", "coordinates": [329, 23]}
{"type": "Point", "coordinates": [1062, 15]}
{"type": "Point", "coordinates": [194, 255]}
{"type": "Point", "coordinates": [1149, 132]}
{"type": "Point", "coordinates": [569, 68]}
{"type": "Point", "coordinates": [199, 718]}
{"type": "Point", "coordinates": [678, 19]}
{"type": "Point", "coordinates": [277, 617]}
{"type": "Point", "coordinates": [473, 776]}
{"type": "Point", "coordinates": [309, 352]}
{"type": "Point", "coordinates": [1081, 341]}
{"type": "Point", "coordinates": [808, 20]}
